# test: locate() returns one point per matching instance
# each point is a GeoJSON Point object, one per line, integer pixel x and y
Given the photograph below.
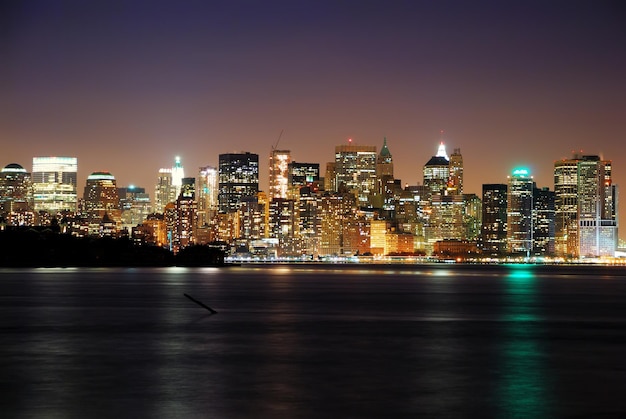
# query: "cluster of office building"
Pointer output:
{"type": "Point", "coordinates": [357, 208]}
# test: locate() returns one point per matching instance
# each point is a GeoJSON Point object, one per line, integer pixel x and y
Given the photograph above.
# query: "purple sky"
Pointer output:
{"type": "Point", "coordinates": [126, 86]}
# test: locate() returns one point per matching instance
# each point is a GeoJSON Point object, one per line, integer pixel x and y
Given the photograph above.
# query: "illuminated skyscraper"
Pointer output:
{"type": "Point", "coordinates": [54, 184]}
{"type": "Point", "coordinates": [455, 181]}
{"type": "Point", "coordinates": [101, 197]}
{"type": "Point", "coordinates": [385, 182]}
{"type": "Point", "coordinates": [519, 210]}
{"type": "Point", "coordinates": [207, 194]}
{"type": "Point", "coordinates": [543, 222]}
{"type": "Point", "coordinates": [135, 205]}
{"type": "Point", "coordinates": [168, 185]}
{"type": "Point", "coordinates": [585, 207]}
{"type": "Point", "coordinates": [186, 215]}
{"type": "Point", "coordinates": [238, 177]}
{"type": "Point", "coordinates": [566, 206]}
{"type": "Point", "coordinates": [437, 172]}
{"type": "Point", "coordinates": [279, 173]}
{"type": "Point", "coordinates": [597, 208]}
{"type": "Point", "coordinates": [178, 173]}
{"type": "Point", "coordinates": [16, 191]}
{"type": "Point", "coordinates": [303, 174]}
{"type": "Point", "coordinates": [355, 171]}
{"type": "Point", "coordinates": [494, 215]}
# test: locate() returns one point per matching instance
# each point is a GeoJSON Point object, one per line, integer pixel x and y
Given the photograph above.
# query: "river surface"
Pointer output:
{"type": "Point", "coordinates": [314, 341]}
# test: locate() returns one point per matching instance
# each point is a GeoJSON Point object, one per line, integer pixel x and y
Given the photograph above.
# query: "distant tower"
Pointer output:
{"type": "Point", "coordinates": [543, 222]}
{"type": "Point", "coordinates": [279, 173]}
{"type": "Point", "coordinates": [493, 230]}
{"type": "Point", "coordinates": [238, 178]}
{"type": "Point", "coordinates": [54, 184]}
{"type": "Point", "coordinates": [520, 212]}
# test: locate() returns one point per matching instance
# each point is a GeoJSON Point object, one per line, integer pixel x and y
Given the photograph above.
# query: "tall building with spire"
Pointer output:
{"type": "Point", "coordinates": [169, 182]}
{"type": "Point", "coordinates": [385, 182]}
{"type": "Point", "coordinates": [436, 172]}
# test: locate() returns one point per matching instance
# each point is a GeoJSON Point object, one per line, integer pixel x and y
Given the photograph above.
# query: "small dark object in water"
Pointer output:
{"type": "Point", "coordinates": [200, 304]}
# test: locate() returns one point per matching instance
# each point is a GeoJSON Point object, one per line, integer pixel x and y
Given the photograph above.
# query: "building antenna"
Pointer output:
{"type": "Point", "coordinates": [277, 141]}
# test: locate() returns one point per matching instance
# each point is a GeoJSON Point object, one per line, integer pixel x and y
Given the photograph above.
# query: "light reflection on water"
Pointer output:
{"type": "Point", "coordinates": [295, 341]}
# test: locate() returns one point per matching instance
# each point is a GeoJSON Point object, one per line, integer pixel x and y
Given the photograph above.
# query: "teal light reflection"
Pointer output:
{"type": "Point", "coordinates": [523, 390]}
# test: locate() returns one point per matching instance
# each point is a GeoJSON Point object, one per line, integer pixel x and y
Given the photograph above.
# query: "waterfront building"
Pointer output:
{"type": "Point", "coordinates": [334, 210]}
{"type": "Point", "coordinates": [566, 206]}
{"type": "Point", "coordinates": [519, 212]}
{"type": "Point", "coordinates": [283, 225]}
{"type": "Point", "coordinates": [543, 222]}
{"type": "Point", "coordinates": [597, 208]}
{"type": "Point", "coordinates": [472, 216]}
{"type": "Point", "coordinates": [309, 222]}
{"type": "Point", "coordinates": [494, 219]}
{"type": "Point", "coordinates": [238, 178]}
{"type": "Point", "coordinates": [54, 184]}
{"type": "Point", "coordinates": [586, 222]}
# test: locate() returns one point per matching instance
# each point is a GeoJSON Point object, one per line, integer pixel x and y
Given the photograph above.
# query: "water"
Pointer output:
{"type": "Point", "coordinates": [314, 342]}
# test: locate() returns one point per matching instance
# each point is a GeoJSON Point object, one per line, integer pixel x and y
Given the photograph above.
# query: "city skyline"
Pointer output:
{"type": "Point", "coordinates": [125, 88]}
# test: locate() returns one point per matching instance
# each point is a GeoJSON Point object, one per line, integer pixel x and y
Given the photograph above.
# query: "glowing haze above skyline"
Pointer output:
{"type": "Point", "coordinates": [126, 86]}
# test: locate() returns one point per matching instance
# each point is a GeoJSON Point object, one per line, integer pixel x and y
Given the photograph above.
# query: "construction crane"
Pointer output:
{"type": "Point", "coordinates": [277, 141]}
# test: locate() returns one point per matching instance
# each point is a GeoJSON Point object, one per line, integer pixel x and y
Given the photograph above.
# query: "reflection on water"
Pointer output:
{"type": "Point", "coordinates": [298, 341]}
{"type": "Point", "coordinates": [524, 390]}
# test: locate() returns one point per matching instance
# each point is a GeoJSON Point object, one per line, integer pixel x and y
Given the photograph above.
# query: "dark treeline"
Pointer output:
{"type": "Point", "coordinates": [48, 248]}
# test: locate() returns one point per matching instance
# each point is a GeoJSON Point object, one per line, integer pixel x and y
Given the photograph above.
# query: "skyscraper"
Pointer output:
{"type": "Point", "coordinates": [436, 172]}
{"type": "Point", "coordinates": [494, 215]}
{"type": "Point", "coordinates": [586, 221]}
{"type": "Point", "coordinates": [543, 222]}
{"type": "Point", "coordinates": [168, 185]}
{"type": "Point", "coordinates": [355, 171]}
{"type": "Point", "coordinates": [186, 211]}
{"type": "Point", "coordinates": [164, 191]}
{"type": "Point", "coordinates": [54, 184]}
{"type": "Point", "coordinates": [597, 208]}
{"type": "Point", "coordinates": [101, 197]}
{"type": "Point", "coordinates": [16, 191]}
{"type": "Point", "coordinates": [455, 181]}
{"type": "Point", "coordinates": [519, 210]}
{"type": "Point", "coordinates": [238, 177]}
{"type": "Point", "coordinates": [279, 173]}
{"type": "Point", "coordinates": [207, 193]}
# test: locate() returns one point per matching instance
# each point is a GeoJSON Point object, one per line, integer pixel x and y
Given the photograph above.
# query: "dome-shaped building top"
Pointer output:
{"type": "Point", "coordinates": [13, 167]}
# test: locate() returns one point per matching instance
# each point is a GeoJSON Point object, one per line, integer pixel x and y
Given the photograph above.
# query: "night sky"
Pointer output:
{"type": "Point", "coordinates": [126, 86]}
